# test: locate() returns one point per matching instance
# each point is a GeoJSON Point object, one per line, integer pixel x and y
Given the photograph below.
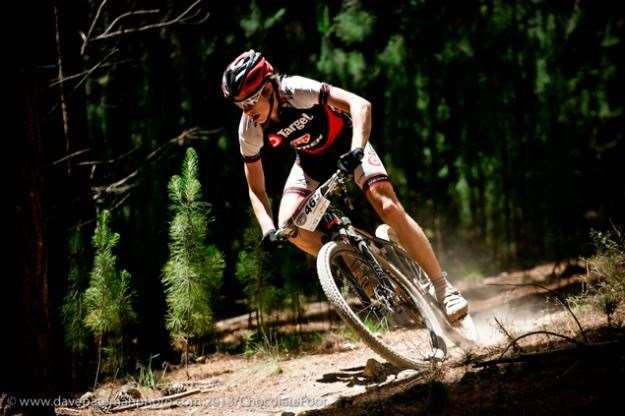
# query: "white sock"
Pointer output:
{"type": "Point", "coordinates": [440, 284]}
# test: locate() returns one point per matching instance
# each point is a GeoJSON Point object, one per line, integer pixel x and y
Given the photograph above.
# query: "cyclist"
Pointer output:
{"type": "Point", "coordinates": [326, 126]}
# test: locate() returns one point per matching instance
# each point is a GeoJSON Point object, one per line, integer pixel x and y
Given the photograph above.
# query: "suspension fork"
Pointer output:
{"type": "Point", "coordinates": [363, 248]}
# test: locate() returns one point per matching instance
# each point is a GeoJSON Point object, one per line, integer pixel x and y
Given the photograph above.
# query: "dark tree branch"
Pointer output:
{"type": "Point", "coordinates": [529, 334]}
{"type": "Point", "coordinates": [603, 347]}
{"type": "Point", "coordinates": [87, 73]}
{"type": "Point", "coordinates": [507, 334]}
{"type": "Point", "coordinates": [85, 38]}
{"type": "Point", "coordinates": [59, 62]}
{"type": "Point", "coordinates": [186, 17]}
{"type": "Point", "coordinates": [122, 188]}
{"type": "Point", "coordinates": [125, 184]}
{"type": "Point", "coordinates": [69, 156]}
{"type": "Point", "coordinates": [61, 78]}
{"type": "Point", "coordinates": [109, 161]}
{"type": "Point", "coordinates": [127, 14]}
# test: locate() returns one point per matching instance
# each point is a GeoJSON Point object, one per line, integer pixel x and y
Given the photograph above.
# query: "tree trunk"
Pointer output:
{"type": "Point", "coordinates": [97, 370]}
{"type": "Point", "coordinates": [31, 308]}
{"type": "Point", "coordinates": [31, 289]}
{"type": "Point", "coordinates": [186, 357]}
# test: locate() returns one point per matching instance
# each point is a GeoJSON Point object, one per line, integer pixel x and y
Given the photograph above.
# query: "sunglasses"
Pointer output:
{"type": "Point", "coordinates": [251, 100]}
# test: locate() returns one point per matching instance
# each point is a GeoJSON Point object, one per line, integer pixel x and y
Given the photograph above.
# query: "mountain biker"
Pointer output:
{"type": "Point", "coordinates": [326, 126]}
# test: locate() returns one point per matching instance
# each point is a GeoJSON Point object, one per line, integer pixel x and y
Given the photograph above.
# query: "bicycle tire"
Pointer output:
{"type": "Point", "coordinates": [325, 258]}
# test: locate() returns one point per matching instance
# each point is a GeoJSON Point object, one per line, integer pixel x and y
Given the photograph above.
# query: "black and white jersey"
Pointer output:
{"type": "Point", "coordinates": [318, 132]}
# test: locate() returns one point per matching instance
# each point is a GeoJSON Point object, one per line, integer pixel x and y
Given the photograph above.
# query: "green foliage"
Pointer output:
{"type": "Point", "coordinates": [108, 298]}
{"type": "Point", "coordinates": [147, 376]}
{"type": "Point", "coordinates": [605, 284]}
{"type": "Point", "coordinates": [277, 345]}
{"type": "Point", "coordinates": [353, 24]}
{"type": "Point", "coordinates": [113, 356]}
{"type": "Point", "coordinates": [394, 55]}
{"type": "Point", "coordinates": [255, 23]}
{"type": "Point", "coordinates": [270, 280]}
{"type": "Point", "coordinates": [194, 270]}
{"type": "Point", "coordinates": [264, 346]}
{"type": "Point", "coordinates": [253, 270]}
{"type": "Point", "coordinates": [73, 309]}
{"type": "Point", "coordinates": [608, 270]}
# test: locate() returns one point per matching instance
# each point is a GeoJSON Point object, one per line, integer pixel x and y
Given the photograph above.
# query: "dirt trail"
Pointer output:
{"type": "Point", "coordinates": [333, 383]}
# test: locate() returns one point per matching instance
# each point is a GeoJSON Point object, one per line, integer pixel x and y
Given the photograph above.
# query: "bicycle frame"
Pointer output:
{"type": "Point", "coordinates": [343, 230]}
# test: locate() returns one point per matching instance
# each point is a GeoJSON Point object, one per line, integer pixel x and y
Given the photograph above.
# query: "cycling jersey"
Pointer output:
{"type": "Point", "coordinates": [318, 132]}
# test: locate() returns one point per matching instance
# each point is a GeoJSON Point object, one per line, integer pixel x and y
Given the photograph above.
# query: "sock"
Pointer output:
{"type": "Point", "coordinates": [440, 284]}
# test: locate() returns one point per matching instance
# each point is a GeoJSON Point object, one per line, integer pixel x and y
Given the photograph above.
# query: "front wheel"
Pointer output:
{"type": "Point", "coordinates": [462, 332]}
{"type": "Point", "coordinates": [390, 316]}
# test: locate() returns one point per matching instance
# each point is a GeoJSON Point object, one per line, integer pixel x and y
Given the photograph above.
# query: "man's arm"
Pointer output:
{"type": "Point", "coordinates": [360, 110]}
{"type": "Point", "coordinates": [258, 195]}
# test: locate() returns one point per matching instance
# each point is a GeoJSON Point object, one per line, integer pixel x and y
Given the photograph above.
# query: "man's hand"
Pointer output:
{"type": "Point", "coordinates": [270, 241]}
{"type": "Point", "coordinates": [350, 160]}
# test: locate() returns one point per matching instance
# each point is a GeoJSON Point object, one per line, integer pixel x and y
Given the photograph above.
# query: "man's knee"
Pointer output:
{"type": "Point", "coordinates": [386, 203]}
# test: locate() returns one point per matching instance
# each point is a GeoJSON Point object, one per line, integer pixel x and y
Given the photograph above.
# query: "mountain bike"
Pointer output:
{"type": "Point", "coordinates": [374, 285]}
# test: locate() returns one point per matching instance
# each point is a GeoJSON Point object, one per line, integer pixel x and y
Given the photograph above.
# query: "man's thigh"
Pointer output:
{"type": "Point", "coordinates": [297, 187]}
{"type": "Point", "coordinates": [371, 170]}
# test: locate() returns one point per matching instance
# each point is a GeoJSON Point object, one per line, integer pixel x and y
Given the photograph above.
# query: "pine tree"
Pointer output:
{"type": "Point", "coordinates": [261, 276]}
{"type": "Point", "coordinates": [108, 298]}
{"type": "Point", "coordinates": [194, 270]}
{"type": "Point", "coordinates": [73, 309]}
{"type": "Point", "coordinates": [252, 266]}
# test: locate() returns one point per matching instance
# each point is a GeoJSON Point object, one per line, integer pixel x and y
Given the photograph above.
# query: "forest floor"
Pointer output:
{"type": "Point", "coordinates": [335, 376]}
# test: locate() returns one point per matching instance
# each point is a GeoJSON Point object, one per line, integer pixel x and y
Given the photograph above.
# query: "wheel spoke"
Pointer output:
{"type": "Point", "coordinates": [371, 300]}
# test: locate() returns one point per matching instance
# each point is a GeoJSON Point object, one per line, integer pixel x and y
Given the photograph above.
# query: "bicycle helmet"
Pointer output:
{"type": "Point", "coordinates": [245, 75]}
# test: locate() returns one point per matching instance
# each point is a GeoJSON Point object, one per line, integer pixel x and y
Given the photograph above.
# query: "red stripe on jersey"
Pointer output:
{"type": "Point", "coordinates": [335, 127]}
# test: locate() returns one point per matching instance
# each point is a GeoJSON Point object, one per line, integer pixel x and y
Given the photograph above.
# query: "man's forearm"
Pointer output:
{"type": "Point", "coordinates": [262, 210]}
{"type": "Point", "coordinates": [361, 122]}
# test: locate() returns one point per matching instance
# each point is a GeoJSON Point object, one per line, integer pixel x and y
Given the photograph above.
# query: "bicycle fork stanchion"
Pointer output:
{"type": "Point", "coordinates": [439, 348]}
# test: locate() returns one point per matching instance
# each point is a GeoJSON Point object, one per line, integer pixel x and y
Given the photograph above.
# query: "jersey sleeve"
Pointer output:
{"type": "Point", "coordinates": [304, 92]}
{"type": "Point", "coordinates": [250, 139]}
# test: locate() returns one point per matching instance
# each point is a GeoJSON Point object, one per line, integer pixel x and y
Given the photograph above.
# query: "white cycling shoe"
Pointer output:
{"type": "Point", "coordinates": [454, 305]}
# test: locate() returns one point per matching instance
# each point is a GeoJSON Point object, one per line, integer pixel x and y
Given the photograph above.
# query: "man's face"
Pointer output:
{"type": "Point", "coordinates": [259, 110]}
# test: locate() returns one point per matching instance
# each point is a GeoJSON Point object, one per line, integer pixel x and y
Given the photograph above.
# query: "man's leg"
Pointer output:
{"type": "Point", "coordinates": [382, 197]}
{"type": "Point", "coordinates": [297, 187]}
{"type": "Point", "coordinates": [372, 178]}
{"type": "Point", "coordinates": [307, 241]}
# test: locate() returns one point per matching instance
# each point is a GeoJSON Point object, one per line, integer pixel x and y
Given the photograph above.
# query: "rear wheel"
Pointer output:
{"type": "Point", "coordinates": [391, 316]}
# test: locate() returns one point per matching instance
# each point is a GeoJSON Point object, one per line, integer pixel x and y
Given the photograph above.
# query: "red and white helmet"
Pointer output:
{"type": "Point", "coordinates": [245, 75]}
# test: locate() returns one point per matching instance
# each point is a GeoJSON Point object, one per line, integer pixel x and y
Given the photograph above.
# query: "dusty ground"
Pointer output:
{"type": "Point", "coordinates": [334, 383]}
